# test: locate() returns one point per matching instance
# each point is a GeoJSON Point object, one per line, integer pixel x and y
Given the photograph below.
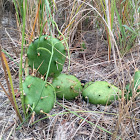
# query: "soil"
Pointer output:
{"type": "Point", "coordinates": [90, 64]}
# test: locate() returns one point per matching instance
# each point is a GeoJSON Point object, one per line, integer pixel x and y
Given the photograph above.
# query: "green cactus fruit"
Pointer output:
{"type": "Point", "coordinates": [39, 53]}
{"type": "Point", "coordinates": [100, 92]}
{"type": "Point", "coordinates": [137, 80]}
{"type": "Point", "coordinates": [67, 86]}
{"type": "Point", "coordinates": [37, 98]}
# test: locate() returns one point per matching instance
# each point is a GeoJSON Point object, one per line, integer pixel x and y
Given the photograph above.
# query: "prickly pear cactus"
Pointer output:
{"type": "Point", "coordinates": [36, 98]}
{"type": "Point", "coordinates": [88, 84]}
{"type": "Point", "coordinates": [39, 53]}
{"type": "Point", "coordinates": [100, 92]}
{"type": "Point", "coordinates": [134, 86]}
{"type": "Point", "coordinates": [67, 86]}
{"type": "Point", "coordinates": [128, 93]}
{"type": "Point", "coordinates": [137, 81]}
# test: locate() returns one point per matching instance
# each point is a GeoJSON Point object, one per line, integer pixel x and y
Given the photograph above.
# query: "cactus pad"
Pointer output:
{"type": "Point", "coordinates": [128, 92]}
{"type": "Point", "coordinates": [39, 53]}
{"type": "Point", "coordinates": [37, 98]}
{"type": "Point", "coordinates": [100, 92]}
{"type": "Point", "coordinates": [67, 86]}
{"type": "Point", "coordinates": [135, 86]}
{"type": "Point", "coordinates": [137, 80]}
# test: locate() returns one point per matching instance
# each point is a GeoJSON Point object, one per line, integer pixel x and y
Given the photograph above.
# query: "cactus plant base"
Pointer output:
{"type": "Point", "coordinates": [37, 97]}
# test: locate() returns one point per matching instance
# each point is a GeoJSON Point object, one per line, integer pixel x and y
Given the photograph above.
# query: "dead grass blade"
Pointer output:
{"type": "Point", "coordinates": [8, 78]}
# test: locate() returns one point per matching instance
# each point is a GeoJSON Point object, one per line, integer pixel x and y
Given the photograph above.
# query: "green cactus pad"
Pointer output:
{"type": "Point", "coordinates": [135, 85]}
{"type": "Point", "coordinates": [67, 86]}
{"type": "Point", "coordinates": [128, 93]}
{"type": "Point", "coordinates": [35, 97]}
{"type": "Point", "coordinates": [88, 84]}
{"type": "Point", "coordinates": [100, 92]}
{"type": "Point", "coordinates": [39, 53]}
{"type": "Point", "coordinates": [137, 80]}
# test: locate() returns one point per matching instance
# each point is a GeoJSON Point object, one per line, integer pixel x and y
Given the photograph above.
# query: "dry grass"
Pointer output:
{"type": "Point", "coordinates": [76, 120]}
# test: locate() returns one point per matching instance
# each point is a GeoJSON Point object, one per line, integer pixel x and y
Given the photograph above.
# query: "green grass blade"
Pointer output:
{"type": "Point", "coordinates": [21, 57]}
{"type": "Point", "coordinates": [122, 39]}
{"type": "Point", "coordinates": [112, 12]}
{"type": "Point", "coordinates": [15, 4]}
{"type": "Point", "coordinates": [128, 28]}
{"type": "Point", "coordinates": [73, 112]}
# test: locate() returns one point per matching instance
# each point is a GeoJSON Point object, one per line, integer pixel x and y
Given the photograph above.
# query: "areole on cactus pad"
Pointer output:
{"type": "Point", "coordinates": [39, 53]}
{"type": "Point", "coordinates": [67, 86]}
{"type": "Point", "coordinates": [37, 96]}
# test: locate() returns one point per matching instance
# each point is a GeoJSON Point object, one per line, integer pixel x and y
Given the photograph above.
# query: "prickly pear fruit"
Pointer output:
{"type": "Point", "coordinates": [100, 92]}
{"type": "Point", "coordinates": [67, 86]}
{"type": "Point", "coordinates": [39, 54]}
{"type": "Point", "coordinates": [37, 97]}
